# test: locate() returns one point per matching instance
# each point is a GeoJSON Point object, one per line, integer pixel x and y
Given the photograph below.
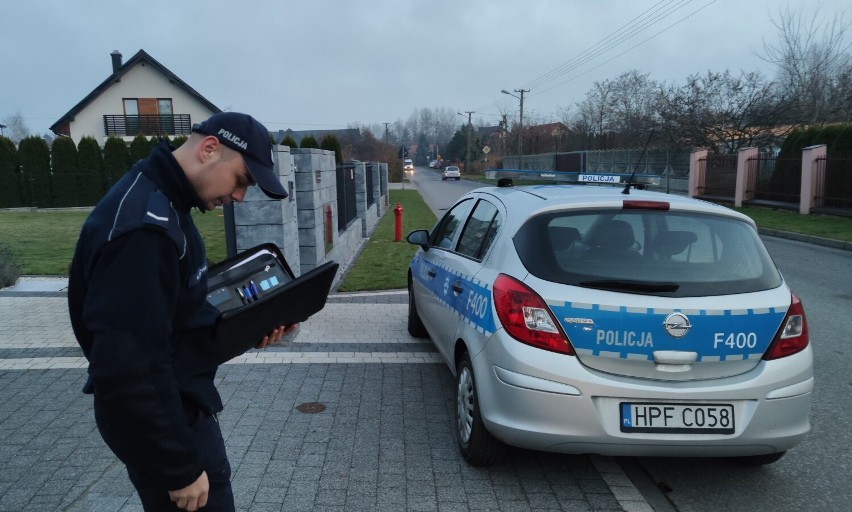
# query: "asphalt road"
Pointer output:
{"type": "Point", "coordinates": [813, 476]}
{"type": "Point", "coordinates": [816, 474]}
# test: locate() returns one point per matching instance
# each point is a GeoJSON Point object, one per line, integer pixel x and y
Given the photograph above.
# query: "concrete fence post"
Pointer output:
{"type": "Point", "coordinates": [810, 155]}
{"type": "Point", "coordinates": [744, 181]}
{"type": "Point", "coordinates": [696, 173]}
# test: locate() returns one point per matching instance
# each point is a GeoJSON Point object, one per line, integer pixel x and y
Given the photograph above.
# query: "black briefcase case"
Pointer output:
{"type": "Point", "coordinates": [256, 291]}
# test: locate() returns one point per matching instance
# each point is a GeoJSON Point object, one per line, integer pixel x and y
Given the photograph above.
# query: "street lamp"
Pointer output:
{"type": "Point", "coordinates": [1, 129]}
{"type": "Point", "coordinates": [520, 124]}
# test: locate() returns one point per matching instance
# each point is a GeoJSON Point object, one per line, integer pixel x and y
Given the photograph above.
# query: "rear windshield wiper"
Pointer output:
{"type": "Point", "coordinates": [630, 286]}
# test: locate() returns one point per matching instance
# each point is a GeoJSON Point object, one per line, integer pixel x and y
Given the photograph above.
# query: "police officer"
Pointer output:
{"type": "Point", "coordinates": [137, 299]}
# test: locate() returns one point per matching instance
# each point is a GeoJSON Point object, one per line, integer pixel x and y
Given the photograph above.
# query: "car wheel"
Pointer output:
{"type": "Point", "coordinates": [760, 460]}
{"type": "Point", "coordinates": [477, 446]}
{"type": "Point", "coordinates": [415, 324]}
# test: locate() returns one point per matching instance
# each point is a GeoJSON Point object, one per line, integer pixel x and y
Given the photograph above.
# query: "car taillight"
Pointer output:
{"type": "Point", "coordinates": [526, 317]}
{"type": "Point", "coordinates": [645, 205]}
{"type": "Point", "coordinates": [792, 337]}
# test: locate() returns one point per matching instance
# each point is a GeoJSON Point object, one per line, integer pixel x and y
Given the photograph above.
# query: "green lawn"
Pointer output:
{"type": "Point", "coordinates": [43, 241]}
{"type": "Point", "coordinates": [383, 263]}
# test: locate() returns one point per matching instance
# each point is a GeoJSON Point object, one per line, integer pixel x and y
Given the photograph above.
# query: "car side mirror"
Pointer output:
{"type": "Point", "coordinates": [419, 237]}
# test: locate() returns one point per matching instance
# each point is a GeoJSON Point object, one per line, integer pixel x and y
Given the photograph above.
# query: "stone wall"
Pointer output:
{"type": "Point", "coordinates": [304, 226]}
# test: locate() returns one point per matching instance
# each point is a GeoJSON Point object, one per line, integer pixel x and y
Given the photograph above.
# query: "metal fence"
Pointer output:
{"type": "Point", "coordinates": [346, 206]}
{"type": "Point", "coordinates": [720, 176]}
{"type": "Point", "coordinates": [774, 179]}
{"type": "Point", "coordinates": [833, 192]}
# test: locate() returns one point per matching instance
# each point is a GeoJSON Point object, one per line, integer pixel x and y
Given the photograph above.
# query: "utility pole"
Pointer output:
{"type": "Point", "coordinates": [520, 125]}
{"type": "Point", "coordinates": [467, 149]}
{"type": "Point", "coordinates": [387, 132]}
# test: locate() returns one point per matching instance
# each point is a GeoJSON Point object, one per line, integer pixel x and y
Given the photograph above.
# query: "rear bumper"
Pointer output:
{"type": "Point", "coordinates": [556, 404]}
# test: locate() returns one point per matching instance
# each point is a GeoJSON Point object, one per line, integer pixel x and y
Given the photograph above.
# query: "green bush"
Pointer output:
{"type": "Point", "coordinates": [140, 148]}
{"type": "Point", "coordinates": [331, 143]}
{"type": "Point", "coordinates": [10, 269]}
{"type": "Point", "coordinates": [34, 157]}
{"type": "Point", "coordinates": [179, 140]}
{"type": "Point", "coordinates": [308, 141]}
{"type": "Point", "coordinates": [91, 165]}
{"type": "Point", "coordinates": [288, 141]}
{"type": "Point", "coordinates": [10, 177]}
{"type": "Point", "coordinates": [115, 161]}
{"type": "Point", "coordinates": [66, 172]}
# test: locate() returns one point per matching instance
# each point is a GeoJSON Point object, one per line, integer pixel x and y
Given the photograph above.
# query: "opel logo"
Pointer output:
{"type": "Point", "coordinates": [677, 325]}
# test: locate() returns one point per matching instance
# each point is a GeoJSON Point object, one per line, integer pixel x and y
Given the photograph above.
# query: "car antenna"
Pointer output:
{"type": "Point", "coordinates": [630, 179]}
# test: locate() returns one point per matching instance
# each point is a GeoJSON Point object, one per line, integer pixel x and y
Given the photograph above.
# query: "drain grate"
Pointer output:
{"type": "Point", "coordinates": [310, 407]}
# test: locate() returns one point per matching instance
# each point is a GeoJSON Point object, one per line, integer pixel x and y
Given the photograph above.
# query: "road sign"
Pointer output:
{"type": "Point", "coordinates": [486, 149]}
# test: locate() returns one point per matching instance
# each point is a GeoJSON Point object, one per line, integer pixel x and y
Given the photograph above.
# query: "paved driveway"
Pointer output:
{"type": "Point", "coordinates": [383, 440]}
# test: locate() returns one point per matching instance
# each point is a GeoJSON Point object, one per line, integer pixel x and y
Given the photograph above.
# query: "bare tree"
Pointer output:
{"type": "Point", "coordinates": [721, 111]}
{"type": "Point", "coordinates": [810, 56]}
{"type": "Point", "coordinates": [18, 129]}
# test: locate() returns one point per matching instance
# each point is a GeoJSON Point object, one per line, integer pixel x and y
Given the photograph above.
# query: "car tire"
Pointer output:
{"type": "Point", "coordinates": [415, 324]}
{"type": "Point", "coordinates": [477, 446]}
{"type": "Point", "coordinates": [760, 460]}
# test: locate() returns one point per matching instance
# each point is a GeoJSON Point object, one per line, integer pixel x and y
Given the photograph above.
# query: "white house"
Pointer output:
{"type": "Point", "coordinates": [141, 96]}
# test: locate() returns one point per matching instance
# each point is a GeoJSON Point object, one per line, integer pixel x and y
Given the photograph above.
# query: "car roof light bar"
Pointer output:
{"type": "Point", "coordinates": [562, 177]}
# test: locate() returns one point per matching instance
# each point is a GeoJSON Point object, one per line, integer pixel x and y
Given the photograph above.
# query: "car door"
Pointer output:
{"type": "Point", "coordinates": [461, 300]}
{"type": "Point", "coordinates": [433, 276]}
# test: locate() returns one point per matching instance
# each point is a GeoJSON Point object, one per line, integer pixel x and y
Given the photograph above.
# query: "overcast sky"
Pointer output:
{"type": "Point", "coordinates": [323, 64]}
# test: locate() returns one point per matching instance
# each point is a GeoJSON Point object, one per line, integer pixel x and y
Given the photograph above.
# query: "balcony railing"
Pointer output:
{"type": "Point", "coordinates": [131, 126]}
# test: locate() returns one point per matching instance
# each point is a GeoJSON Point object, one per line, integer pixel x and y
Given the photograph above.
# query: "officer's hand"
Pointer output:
{"type": "Point", "coordinates": [193, 496]}
{"type": "Point", "coordinates": [276, 335]}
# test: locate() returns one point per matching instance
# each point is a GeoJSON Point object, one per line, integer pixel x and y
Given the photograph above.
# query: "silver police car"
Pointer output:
{"type": "Point", "coordinates": [583, 319]}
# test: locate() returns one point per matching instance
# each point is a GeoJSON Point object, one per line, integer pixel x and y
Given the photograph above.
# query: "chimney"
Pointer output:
{"type": "Point", "coordinates": [116, 60]}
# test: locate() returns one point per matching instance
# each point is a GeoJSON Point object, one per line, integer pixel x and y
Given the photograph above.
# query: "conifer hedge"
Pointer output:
{"type": "Point", "coordinates": [115, 161]}
{"type": "Point", "coordinates": [331, 143]}
{"type": "Point", "coordinates": [34, 157]}
{"type": "Point", "coordinates": [66, 172]}
{"type": "Point", "coordinates": [308, 141]}
{"type": "Point", "coordinates": [91, 178]}
{"type": "Point", "coordinates": [10, 177]}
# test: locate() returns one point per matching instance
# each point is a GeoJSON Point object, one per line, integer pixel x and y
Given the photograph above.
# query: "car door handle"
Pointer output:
{"type": "Point", "coordinates": [431, 273]}
{"type": "Point", "coordinates": [457, 287]}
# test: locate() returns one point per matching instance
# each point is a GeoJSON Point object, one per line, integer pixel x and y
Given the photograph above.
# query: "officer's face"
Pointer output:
{"type": "Point", "coordinates": [225, 180]}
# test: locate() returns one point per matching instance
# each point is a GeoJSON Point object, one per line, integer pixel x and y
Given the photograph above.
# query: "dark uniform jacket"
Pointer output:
{"type": "Point", "coordinates": [137, 299]}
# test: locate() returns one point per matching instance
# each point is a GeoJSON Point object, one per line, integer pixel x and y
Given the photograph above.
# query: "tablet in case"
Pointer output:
{"type": "Point", "coordinates": [256, 291]}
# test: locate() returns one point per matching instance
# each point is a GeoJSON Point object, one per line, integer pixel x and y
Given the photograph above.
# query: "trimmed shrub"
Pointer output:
{"type": "Point", "coordinates": [331, 143]}
{"type": "Point", "coordinates": [66, 172]}
{"type": "Point", "coordinates": [115, 161]}
{"type": "Point", "coordinates": [308, 141]}
{"type": "Point", "coordinates": [179, 140]}
{"type": "Point", "coordinates": [10, 269]}
{"type": "Point", "coordinates": [91, 179]}
{"type": "Point", "coordinates": [10, 176]}
{"type": "Point", "coordinates": [140, 148]}
{"type": "Point", "coordinates": [34, 157]}
{"type": "Point", "coordinates": [288, 141]}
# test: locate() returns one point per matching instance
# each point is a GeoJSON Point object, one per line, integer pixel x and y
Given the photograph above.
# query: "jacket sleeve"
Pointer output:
{"type": "Point", "coordinates": [129, 308]}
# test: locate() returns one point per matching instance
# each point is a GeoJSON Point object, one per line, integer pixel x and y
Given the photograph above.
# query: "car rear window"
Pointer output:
{"type": "Point", "coordinates": [667, 253]}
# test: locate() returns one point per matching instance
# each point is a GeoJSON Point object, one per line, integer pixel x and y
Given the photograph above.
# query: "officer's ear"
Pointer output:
{"type": "Point", "coordinates": [207, 148]}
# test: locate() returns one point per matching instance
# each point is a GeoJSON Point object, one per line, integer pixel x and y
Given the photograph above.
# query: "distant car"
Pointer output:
{"type": "Point", "coordinates": [579, 319]}
{"type": "Point", "coordinates": [433, 164]}
{"type": "Point", "coordinates": [408, 165]}
{"type": "Point", "coordinates": [451, 172]}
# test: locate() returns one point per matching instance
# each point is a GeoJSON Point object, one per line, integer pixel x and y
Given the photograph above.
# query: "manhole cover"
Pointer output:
{"type": "Point", "coordinates": [310, 407]}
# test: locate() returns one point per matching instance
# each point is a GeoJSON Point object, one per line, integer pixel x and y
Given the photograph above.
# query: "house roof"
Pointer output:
{"type": "Point", "coordinates": [546, 129]}
{"type": "Point", "coordinates": [141, 56]}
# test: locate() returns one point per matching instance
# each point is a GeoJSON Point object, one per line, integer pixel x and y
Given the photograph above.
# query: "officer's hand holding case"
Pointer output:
{"type": "Point", "coordinates": [256, 291]}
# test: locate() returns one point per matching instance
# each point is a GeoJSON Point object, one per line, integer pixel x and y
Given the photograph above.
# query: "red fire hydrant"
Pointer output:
{"type": "Point", "coordinates": [398, 213]}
